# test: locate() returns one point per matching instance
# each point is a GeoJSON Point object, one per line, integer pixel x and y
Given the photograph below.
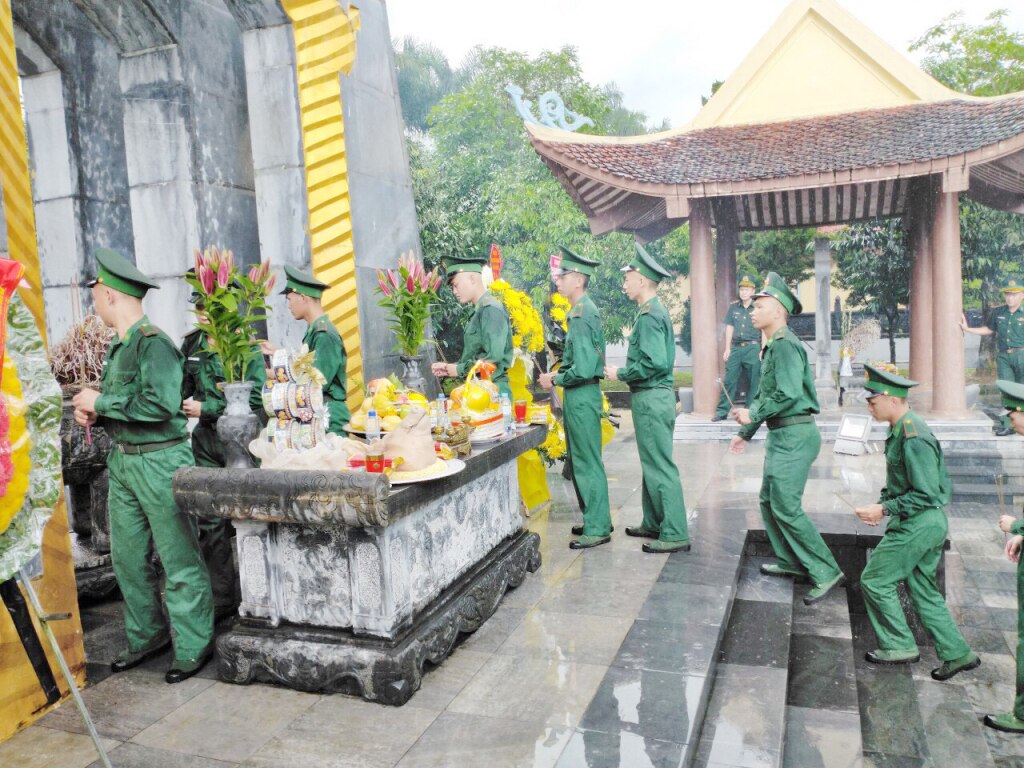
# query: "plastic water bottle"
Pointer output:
{"type": "Point", "coordinates": [506, 413]}
{"type": "Point", "coordinates": [372, 425]}
{"type": "Point", "coordinates": [442, 412]}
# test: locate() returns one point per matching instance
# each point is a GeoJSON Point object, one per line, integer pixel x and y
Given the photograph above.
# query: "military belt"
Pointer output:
{"type": "Point", "coordinates": [787, 421]}
{"type": "Point", "coordinates": [593, 380]}
{"type": "Point", "coordinates": [744, 343]}
{"type": "Point", "coordinates": [140, 448]}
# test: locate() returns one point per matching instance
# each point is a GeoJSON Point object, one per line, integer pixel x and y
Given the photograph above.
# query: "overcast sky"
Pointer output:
{"type": "Point", "coordinates": [663, 54]}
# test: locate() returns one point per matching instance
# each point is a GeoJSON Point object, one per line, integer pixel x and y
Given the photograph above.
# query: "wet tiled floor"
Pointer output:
{"type": "Point", "coordinates": [611, 657]}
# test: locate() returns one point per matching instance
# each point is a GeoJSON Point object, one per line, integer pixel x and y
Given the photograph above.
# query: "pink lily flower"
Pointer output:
{"type": "Point", "coordinates": [206, 279]}
{"type": "Point", "coordinates": [410, 284]}
{"type": "Point", "coordinates": [270, 283]}
{"type": "Point", "coordinates": [393, 277]}
{"type": "Point", "coordinates": [223, 273]}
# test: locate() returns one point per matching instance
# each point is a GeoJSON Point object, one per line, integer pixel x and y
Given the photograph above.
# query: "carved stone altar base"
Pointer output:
{"type": "Point", "coordinates": [350, 585]}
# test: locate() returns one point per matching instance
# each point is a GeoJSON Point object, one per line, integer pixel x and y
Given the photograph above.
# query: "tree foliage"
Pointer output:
{"type": "Point", "coordinates": [873, 265]}
{"type": "Point", "coordinates": [789, 252]}
{"type": "Point", "coordinates": [982, 60]}
{"type": "Point", "coordinates": [477, 180]}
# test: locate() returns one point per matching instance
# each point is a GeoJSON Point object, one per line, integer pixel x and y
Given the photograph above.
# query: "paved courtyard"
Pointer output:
{"type": "Point", "coordinates": [610, 657]}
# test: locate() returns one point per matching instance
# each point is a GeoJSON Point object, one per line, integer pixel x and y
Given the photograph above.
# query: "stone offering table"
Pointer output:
{"type": "Point", "coordinates": [351, 585]}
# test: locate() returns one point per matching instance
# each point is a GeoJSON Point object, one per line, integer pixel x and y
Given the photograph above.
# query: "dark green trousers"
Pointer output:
{"type": "Point", "coordinates": [654, 419]}
{"type": "Point", "coordinates": [1010, 367]}
{"type": "Point", "coordinates": [910, 552]}
{"type": "Point", "coordinates": [216, 535]}
{"type": "Point", "coordinates": [789, 453]}
{"type": "Point", "coordinates": [581, 414]}
{"type": "Point", "coordinates": [143, 517]}
{"type": "Point", "coordinates": [743, 361]}
{"type": "Point", "coordinates": [1018, 702]}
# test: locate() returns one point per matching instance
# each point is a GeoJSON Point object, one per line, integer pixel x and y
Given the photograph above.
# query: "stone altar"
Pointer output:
{"type": "Point", "coordinates": [351, 585]}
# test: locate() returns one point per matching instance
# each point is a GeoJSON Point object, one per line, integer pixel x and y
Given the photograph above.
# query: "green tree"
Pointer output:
{"type": "Point", "coordinates": [477, 180]}
{"type": "Point", "coordinates": [789, 252]}
{"type": "Point", "coordinates": [424, 78]}
{"type": "Point", "coordinates": [873, 265]}
{"type": "Point", "coordinates": [982, 60]}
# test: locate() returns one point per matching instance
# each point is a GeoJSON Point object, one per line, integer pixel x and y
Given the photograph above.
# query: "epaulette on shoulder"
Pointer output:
{"type": "Point", "coordinates": [149, 330]}
{"type": "Point", "coordinates": [909, 428]}
{"type": "Point", "coordinates": [645, 310]}
{"type": "Point", "coordinates": [577, 311]}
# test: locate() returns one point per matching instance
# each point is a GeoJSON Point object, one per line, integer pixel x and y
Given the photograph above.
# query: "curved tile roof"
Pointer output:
{"type": "Point", "coordinates": [833, 143]}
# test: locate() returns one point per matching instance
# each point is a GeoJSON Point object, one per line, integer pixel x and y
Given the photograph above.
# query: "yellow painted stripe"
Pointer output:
{"type": "Point", "coordinates": [325, 45]}
{"type": "Point", "coordinates": [14, 173]}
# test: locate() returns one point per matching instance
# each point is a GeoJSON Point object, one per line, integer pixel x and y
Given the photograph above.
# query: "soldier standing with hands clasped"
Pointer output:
{"type": "Point", "coordinates": [742, 348]}
{"type": "Point", "coordinates": [786, 401]}
{"type": "Point", "coordinates": [648, 371]}
{"type": "Point", "coordinates": [141, 408]}
{"type": "Point", "coordinates": [917, 490]}
{"type": "Point", "coordinates": [579, 376]}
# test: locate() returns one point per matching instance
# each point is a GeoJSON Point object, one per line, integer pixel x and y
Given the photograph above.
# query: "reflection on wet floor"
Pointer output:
{"type": "Point", "coordinates": [611, 657]}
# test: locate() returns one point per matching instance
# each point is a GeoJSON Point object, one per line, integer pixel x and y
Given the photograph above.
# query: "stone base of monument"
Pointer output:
{"type": "Point", "coordinates": [386, 671]}
{"type": "Point", "coordinates": [351, 584]}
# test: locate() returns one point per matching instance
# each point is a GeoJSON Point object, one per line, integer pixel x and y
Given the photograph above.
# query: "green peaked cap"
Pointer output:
{"type": "Point", "coordinates": [1013, 394]}
{"type": "Point", "coordinates": [115, 271]}
{"type": "Point", "coordinates": [885, 383]}
{"type": "Point", "coordinates": [645, 264]}
{"type": "Point", "coordinates": [746, 280]}
{"type": "Point", "coordinates": [776, 287]}
{"type": "Point", "coordinates": [573, 262]}
{"type": "Point", "coordinates": [1013, 284]}
{"type": "Point", "coordinates": [455, 264]}
{"type": "Point", "coordinates": [303, 282]}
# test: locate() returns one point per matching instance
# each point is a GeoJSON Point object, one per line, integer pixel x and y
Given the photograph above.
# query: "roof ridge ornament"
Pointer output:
{"type": "Point", "coordinates": [552, 110]}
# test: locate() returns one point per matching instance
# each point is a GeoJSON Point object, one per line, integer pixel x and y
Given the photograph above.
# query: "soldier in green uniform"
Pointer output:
{"type": "Point", "coordinates": [1013, 721]}
{"type": "Point", "coordinates": [141, 410]}
{"type": "Point", "coordinates": [742, 348]}
{"type": "Point", "coordinates": [648, 371]}
{"type": "Point", "coordinates": [787, 402]}
{"type": "Point", "coordinates": [917, 490]}
{"type": "Point", "coordinates": [1007, 323]}
{"type": "Point", "coordinates": [579, 376]}
{"type": "Point", "coordinates": [204, 400]}
{"type": "Point", "coordinates": [304, 292]}
{"type": "Point", "coordinates": [488, 335]}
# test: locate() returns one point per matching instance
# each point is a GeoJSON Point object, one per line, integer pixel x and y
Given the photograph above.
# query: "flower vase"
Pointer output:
{"type": "Point", "coordinates": [411, 376]}
{"type": "Point", "coordinates": [237, 426]}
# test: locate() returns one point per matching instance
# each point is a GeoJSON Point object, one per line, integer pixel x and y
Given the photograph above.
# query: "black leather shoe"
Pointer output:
{"type": "Point", "coordinates": [641, 532]}
{"type": "Point", "coordinates": [183, 669]}
{"type": "Point", "coordinates": [577, 530]}
{"type": "Point", "coordinates": [127, 659]}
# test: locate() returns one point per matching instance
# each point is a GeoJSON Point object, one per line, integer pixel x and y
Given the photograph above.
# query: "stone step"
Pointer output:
{"type": "Point", "coordinates": [968, 435]}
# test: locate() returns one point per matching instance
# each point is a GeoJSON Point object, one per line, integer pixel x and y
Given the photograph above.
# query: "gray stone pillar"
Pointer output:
{"type": "Point", "coordinates": [824, 382]}
{"type": "Point", "coordinates": [704, 347]}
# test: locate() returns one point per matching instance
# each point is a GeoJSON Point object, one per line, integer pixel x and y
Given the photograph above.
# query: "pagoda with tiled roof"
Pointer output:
{"type": "Point", "coordinates": [822, 123]}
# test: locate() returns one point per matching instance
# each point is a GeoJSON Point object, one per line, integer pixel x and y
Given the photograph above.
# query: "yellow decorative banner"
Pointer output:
{"type": "Point", "coordinates": [325, 47]}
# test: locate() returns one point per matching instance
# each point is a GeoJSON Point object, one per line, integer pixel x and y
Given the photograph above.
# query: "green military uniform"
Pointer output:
{"type": "Point", "coordinates": [744, 353]}
{"type": "Point", "coordinates": [202, 373]}
{"type": "Point", "coordinates": [786, 401]}
{"type": "Point", "coordinates": [1013, 721]}
{"type": "Point", "coordinates": [140, 406]}
{"type": "Point", "coordinates": [917, 490]}
{"type": "Point", "coordinates": [648, 372]}
{"type": "Point", "coordinates": [581, 370]}
{"type": "Point", "coordinates": [323, 339]}
{"type": "Point", "coordinates": [1008, 328]}
{"type": "Point", "coordinates": [488, 335]}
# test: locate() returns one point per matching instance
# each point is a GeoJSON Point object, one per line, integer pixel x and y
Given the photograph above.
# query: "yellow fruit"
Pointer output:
{"type": "Point", "coordinates": [416, 397]}
{"type": "Point", "coordinates": [382, 385]}
{"type": "Point", "coordinates": [358, 420]}
{"type": "Point", "coordinates": [389, 423]}
{"type": "Point", "coordinates": [367, 404]}
{"type": "Point", "coordinates": [381, 402]}
{"type": "Point", "coordinates": [477, 398]}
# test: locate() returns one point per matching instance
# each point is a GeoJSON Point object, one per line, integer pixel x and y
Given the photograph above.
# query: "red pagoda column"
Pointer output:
{"type": "Point", "coordinates": [948, 396]}
{"type": "Point", "coordinates": [919, 232]}
{"type": "Point", "coordinates": [703, 306]}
